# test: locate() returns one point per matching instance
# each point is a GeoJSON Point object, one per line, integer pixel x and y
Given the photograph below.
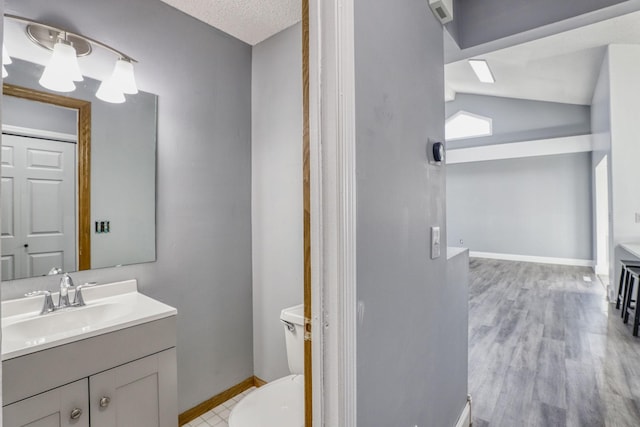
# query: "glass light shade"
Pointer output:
{"type": "Point", "coordinates": [4, 72]}
{"type": "Point", "coordinates": [62, 69]}
{"type": "Point", "coordinates": [6, 59]}
{"type": "Point", "coordinates": [123, 76]}
{"type": "Point", "coordinates": [110, 91]}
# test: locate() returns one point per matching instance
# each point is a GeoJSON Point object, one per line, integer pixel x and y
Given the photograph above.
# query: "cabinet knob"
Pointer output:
{"type": "Point", "coordinates": [76, 413]}
{"type": "Point", "coordinates": [104, 402]}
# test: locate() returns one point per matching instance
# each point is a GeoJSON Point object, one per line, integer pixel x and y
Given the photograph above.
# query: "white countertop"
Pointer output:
{"type": "Point", "coordinates": [632, 247]}
{"type": "Point", "coordinates": [115, 305]}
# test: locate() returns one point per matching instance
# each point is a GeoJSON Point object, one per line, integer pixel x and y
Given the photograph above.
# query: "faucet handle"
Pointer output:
{"type": "Point", "coordinates": [66, 281]}
{"type": "Point", "coordinates": [78, 299]}
{"type": "Point", "coordinates": [48, 305]}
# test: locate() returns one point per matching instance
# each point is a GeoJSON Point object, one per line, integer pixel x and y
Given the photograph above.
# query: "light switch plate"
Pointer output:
{"type": "Point", "coordinates": [435, 242]}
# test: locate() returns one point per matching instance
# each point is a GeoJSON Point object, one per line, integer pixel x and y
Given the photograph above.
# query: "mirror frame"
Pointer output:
{"type": "Point", "coordinates": [83, 160]}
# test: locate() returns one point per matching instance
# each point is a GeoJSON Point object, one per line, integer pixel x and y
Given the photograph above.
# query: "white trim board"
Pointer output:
{"type": "Point", "coordinates": [601, 271]}
{"type": "Point", "coordinates": [333, 212]}
{"type": "Point", "coordinates": [534, 259]}
{"type": "Point", "coordinates": [515, 150]}
{"type": "Point", "coordinates": [465, 417]}
{"type": "Point", "coordinates": [39, 133]}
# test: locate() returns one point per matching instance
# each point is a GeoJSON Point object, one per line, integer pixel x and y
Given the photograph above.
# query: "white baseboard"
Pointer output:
{"type": "Point", "coordinates": [465, 416]}
{"type": "Point", "coordinates": [535, 259]}
{"type": "Point", "coordinates": [601, 271]}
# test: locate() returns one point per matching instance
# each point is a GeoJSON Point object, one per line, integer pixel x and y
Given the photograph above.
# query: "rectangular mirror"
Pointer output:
{"type": "Point", "coordinates": [78, 177]}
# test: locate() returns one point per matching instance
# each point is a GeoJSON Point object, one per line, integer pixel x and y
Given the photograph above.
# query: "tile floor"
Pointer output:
{"type": "Point", "coordinates": [218, 416]}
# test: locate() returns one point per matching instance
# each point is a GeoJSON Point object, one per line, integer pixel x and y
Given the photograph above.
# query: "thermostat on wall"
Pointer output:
{"type": "Point", "coordinates": [435, 152]}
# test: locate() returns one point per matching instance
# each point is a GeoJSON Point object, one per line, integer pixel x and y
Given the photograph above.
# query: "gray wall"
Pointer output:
{"type": "Point", "coordinates": [505, 195]}
{"type": "Point", "coordinates": [537, 206]}
{"type": "Point", "coordinates": [37, 115]}
{"type": "Point", "coordinates": [203, 80]}
{"type": "Point", "coordinates": [517, 120]}
{"type": "Point", "coordinates": [404, 359]}
{"type": "Point", "coordinates": [480, 22]}
{"type": "Point", "coordinates": [276, 209]}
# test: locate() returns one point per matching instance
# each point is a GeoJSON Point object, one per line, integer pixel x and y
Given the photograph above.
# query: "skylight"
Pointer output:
{"type": "Point", "coordinates": [467, 125]}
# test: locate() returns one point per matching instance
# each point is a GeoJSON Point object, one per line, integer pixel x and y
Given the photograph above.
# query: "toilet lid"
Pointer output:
{"type": "Point", "coordinates": [277, 404]}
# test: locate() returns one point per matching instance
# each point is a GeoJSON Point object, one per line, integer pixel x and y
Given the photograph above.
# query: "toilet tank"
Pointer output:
{"type": "Point", "coordinates": [293, 320]}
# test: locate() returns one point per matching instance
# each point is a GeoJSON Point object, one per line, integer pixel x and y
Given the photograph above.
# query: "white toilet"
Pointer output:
{"type": "Point", "coordinates": [279, 403]}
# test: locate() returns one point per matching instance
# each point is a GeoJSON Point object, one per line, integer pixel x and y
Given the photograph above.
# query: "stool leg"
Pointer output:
{"type": "Point", "coordinates": [626, 296]}
{"type": "Point", "coordinates": [621, 286]}
{"type": "Point", "coordinates": [636, 317]}
{"type": "Point", "coordinates": [627, 304]}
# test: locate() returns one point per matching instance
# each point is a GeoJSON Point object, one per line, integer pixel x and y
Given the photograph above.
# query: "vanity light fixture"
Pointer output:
{"type": "Point", "coordinates": [482, 70]}
{"type": "Point", "coordinates": [62, 70]}
{"type": "Point", "coordinates": [121, 81]}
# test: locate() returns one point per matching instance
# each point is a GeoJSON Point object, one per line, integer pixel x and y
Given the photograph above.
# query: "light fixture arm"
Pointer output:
{"type": "Point", "coordinates": [67, 33]}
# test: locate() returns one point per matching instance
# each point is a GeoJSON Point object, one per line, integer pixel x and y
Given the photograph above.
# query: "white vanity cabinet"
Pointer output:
{"type": "Point", "coordinates": [64, 406]}
{"type": "Point", "coordinates": [108, 363]}
{"type": "Point", "coordinates": [137, 394]}
{"type": "Point", "coordinates": [124, 378]}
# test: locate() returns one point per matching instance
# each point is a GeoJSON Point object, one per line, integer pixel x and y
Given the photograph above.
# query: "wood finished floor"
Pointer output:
{"type": "Point", "coordinates": [546, 349]}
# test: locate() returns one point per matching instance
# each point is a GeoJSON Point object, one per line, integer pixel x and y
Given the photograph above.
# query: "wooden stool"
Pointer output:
{"type": "Point", "coordinates": [624, 280]}
{"type": "Point", "coordinates": [631, 304]}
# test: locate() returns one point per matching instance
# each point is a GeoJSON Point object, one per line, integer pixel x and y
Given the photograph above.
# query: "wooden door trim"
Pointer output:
{"type": "Point", "coordinates": [83, 160]}
{"type": "Point", "coordinates": [306, 185]}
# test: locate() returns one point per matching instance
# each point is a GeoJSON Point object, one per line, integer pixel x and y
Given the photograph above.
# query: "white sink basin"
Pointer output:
{"type": "Point", "coordinates": [109, 307]}
{"type": "Point", "coordinates": [71, 319]}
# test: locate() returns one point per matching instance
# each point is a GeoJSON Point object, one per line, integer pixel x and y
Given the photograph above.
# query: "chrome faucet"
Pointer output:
{"type": "Point", "coordinates": [66, 282]}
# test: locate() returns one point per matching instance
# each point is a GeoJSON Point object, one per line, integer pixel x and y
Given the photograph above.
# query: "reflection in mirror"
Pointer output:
{"type": "Point", "coordinates": [40, 198]}
{"type": "Point", "coordinates": [71, 202]}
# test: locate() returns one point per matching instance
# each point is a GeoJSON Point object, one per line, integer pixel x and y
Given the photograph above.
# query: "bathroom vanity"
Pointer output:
{"type": "Point", "coordinates": [109, 363]}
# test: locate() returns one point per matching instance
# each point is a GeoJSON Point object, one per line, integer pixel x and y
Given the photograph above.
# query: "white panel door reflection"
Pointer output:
{"type": "Point", "coordinates": [38, 206]}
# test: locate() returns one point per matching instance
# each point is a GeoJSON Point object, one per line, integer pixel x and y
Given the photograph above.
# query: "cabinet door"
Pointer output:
{"type": "Point", "coordinates": [138, 394]}
{"type": "Point", "coordinates": [65, 406]}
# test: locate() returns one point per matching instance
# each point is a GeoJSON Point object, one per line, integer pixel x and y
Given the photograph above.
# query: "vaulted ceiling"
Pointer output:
{"type": "Point", "coordinates": [563, 67]}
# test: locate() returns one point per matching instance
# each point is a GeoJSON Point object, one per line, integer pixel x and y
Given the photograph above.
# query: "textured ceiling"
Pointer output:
{"type": "Point", "coordinates": [251, 21]}
{"type": "Point", "coordinates": [559, 68]}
